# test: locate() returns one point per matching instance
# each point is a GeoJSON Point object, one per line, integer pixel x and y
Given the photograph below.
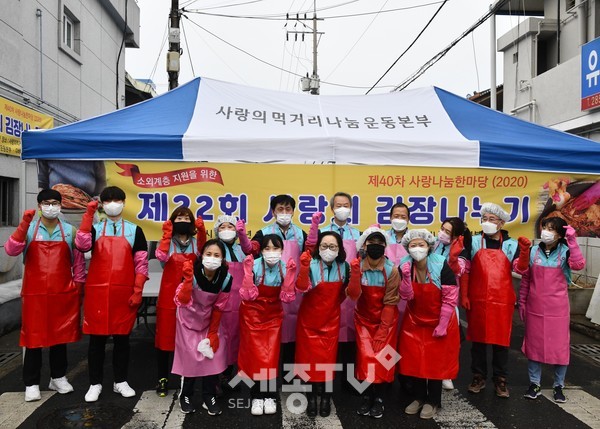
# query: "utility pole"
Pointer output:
{"type": "Point", "coordinates": [311, 83]}
{"type": "Point", "coordinates": [174, 52]}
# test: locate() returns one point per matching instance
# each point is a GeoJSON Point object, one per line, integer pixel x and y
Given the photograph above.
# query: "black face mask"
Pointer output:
{"type": "Point", "coordinates": [375, 251]}
{"type": "Point", "coordinates": [182, 228]}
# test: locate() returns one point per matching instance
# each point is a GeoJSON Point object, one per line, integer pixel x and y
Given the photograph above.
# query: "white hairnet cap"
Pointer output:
{"type": "Point", "coordinates": [371, 230]}
{"type": "Point", "coordinates": [224, 219]}
{"type": "Point", "coordinates": [413, 234]}
{"type": "Point", "coordinates": [496, 210]}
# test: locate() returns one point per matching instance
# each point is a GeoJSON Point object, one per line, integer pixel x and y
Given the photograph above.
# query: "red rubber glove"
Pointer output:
{"type": "Point", "coordinates": [138, 286]}
{"type": "Point", "coordinates": [185, 293]}
{"type": "Point", "coordinates": [524, 254]}
{"type": "Point", "coordinates": [464, 291]}
{"type": "Point", "coordinates": [354, 289]}
{"type": "Point", "coordinates": [201, 234]}
{"type": "Point", "coordinates": [165, 241]}
{"type": "Point", "coordinates": [213, 329]}
{"type": "Point", "coordinates": [303, 282]}
{"type": "Point", "coordinates": [88, 217]}
{"type": "Point", "coordinates": [456, 248]}
{"type": "Point", "coordinates": [388, 317]}
{"type": "Point", "coordinates": [20, 234]}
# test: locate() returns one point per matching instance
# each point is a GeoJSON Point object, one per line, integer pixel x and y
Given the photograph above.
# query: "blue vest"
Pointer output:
{"type": "Point", "coordinates": [110, 230]}
{"type": "Point", "coordinates": [350, 233]}
{"type": "Point", "coordinates": [272, 277]}
{"type": "Point", "coordinates": [509, 247]}
{"type": "Point", "coordinates": [375, 277]}
{"type": "Point", "coordinates": [292, 233]}
{"type": "Point", "coordinates": [435, 264]}
{"type": "Point", "coordinates": [331, 273]}
{"type": "Point", "coordinates": [237, 249]}
{"type": "Point", "coordinates": [557, 258]}
{"type": "Point", "coordinates": [44, 235]}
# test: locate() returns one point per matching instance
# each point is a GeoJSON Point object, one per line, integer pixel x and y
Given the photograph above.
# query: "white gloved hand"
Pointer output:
{"type": "Point", "coordinates": [205, 348]}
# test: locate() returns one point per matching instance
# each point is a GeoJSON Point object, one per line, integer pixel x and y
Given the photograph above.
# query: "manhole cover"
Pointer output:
{"type": "Point", "coordinates": [589, 350]}
{"type": "Point", "coordinates": [6, 357]}
{"type": "Point", "coordinates": [100, 417]}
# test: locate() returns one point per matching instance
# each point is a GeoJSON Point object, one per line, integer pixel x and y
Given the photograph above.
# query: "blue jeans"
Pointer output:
{"type": "Point", "coordinates": [535, 373]}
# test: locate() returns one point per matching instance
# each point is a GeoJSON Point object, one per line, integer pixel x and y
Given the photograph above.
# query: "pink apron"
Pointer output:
{"type": "Point", "coordinates": [192, 327]}
{"type": "Point", "coordinates": [291, 250]}
{"type": "Point", "coordinates": [348, 305]}
{"type": "Point", "coordinates": [547, 333]}
{"type": "Point", "coordinates": [230, 320]}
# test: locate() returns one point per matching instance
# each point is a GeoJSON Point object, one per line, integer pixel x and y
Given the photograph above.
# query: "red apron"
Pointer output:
{"type": "Point", "coordinates": [165, 305]}
{"type": "Point", "coordinates": [547, 321]}
{"type": "Point", "coordinates": [492, 298]}
{"type": "Point", "coordinates": [260, 334]}
{"type": "Point", "coordinates": [367, 318]}
{"type": "Point", "coordinates": [50, 299]}
{"type": "Point", "coordinates": [291, 250]}
{"type": "Point", "coordinates": [348, 305]}
{"type": "Point", "coordinates": [318, 328]}
{"type": "Point", "coordinates": [109, 286]}
{"type": "Point", "coordinates": [230, 320]}
{"type": "Point", "coordinates": [423, 355]}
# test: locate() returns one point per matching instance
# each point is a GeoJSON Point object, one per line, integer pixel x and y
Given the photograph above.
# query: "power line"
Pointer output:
{"type": "Point", "coordinates": [189, 51]}
{"type": "Point", "coordinates": [409, 46]}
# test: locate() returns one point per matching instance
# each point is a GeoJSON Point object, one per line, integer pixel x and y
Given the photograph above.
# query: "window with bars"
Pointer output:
{"type": "Point", "coordinates": [8, 187]}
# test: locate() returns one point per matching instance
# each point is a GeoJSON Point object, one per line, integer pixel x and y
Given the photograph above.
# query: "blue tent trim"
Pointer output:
{"type": "Point", "coordinates": [127, 134]}
{"type": "Point", "coordinates": [510, 143]}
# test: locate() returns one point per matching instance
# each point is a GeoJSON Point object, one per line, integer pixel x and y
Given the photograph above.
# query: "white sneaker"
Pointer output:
{"type": "Point", "coordinates": [257, 407]}
{"type": "Point", "coordinates": [32, 393]}
{"type": "Point", "coordinates": [270, 406]}
{"type": "Point", "coordinates": [93, 393]}
{"type": "Point", "coordinates": [61, 385]}
{"type": "Point", "coordinates": [447, 385]}
{"type": "Point", "coordinates": [124, 389]}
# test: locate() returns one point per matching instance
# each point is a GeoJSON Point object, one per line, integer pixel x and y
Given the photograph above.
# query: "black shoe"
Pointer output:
{"type": "Point", "coordinates": [325, 406]}
{"type": "Point", "coordinates": [533, 392]}
{"type": "Point", "coordinates": [209, 403]}
{"type": "Point", "coordinates": [365, 407]}
{"type": "Point", "coordinates": [376, 410]}
{"type": "Point", "coordinates": [185, 402]}
{"type": "Point", "coordinates": [311, 407]}
{"type": "Point", "coordinates": [161, 388]}
{"type": "Point", "coordinates": [559, 395]}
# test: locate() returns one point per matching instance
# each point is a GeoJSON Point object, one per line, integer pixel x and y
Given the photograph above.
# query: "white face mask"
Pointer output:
{"type": "Point", "coordinates": [399, 224]}
{"type": "Point", "coordinates": [342, 213]}
{"type": "Point", "coordinates": [548, 237]}
{"type": "Point", "coordinates": [113, 208]}
{"type": "Point", "coordinates": [418, 253]}
{"type": "Point", "coordinates": [328, 255]}
{"type": "Point", "coordinates": [489, 228]}
{"type": "Point", "coordinates": [227, 235]}
{"type": "Point", "coordinates": [50, 212]}
{"type": "Point", "coordinates": [284, 219]}
{"type": "Point", "coordinates": [211, 263]}
{"type": "Point", "coordinates": [272, 258]}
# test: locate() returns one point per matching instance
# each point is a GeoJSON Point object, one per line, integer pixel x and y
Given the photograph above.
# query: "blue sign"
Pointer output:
{"type": "Point", "coordinates": [590, 75]}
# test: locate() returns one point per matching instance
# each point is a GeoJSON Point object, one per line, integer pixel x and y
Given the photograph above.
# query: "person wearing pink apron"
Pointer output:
{"type": "Point", "coordinates": [267, 283]}
{"type": "Point", "coordinates": [200, 340]}
{"type": "Point", "coordinates": [399, 219]}
{"type": "Point", "coordinates": [113, 289]}
{"type": "Point", "coordinates": [53, 278]}
{"type": "Point", "coordinates": [374, 283]}
{"type": "Point", "coordinates": [177, 245]}
{"type": "Point", "coordinates": [491, 299]}
{"type": "Point", "coordinates": [544, 302]}
{"type": "Point", "coordinates": [429, 340]}
{"type": "Point", "coordinates": [322, 277]}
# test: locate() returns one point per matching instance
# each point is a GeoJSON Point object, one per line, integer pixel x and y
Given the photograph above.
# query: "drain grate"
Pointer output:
{"type": "Point", "coordinates": [589, 350]}
{"type": "Point", "coordinates": [6, 357]}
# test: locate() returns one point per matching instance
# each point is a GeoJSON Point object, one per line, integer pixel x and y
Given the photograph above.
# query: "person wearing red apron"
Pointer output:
{"type": "Point", "coordinates": [374, 285]}
{"type": "Point", "coordinates": [267, 283]}
{"type": "Point", "coordinates": [200, 342]}
{"type": "Point", "coordinates": [53, 278]}
{"type": "Point", "coordinates": [177, 245]}
{"type": "Point", "coordinates": [429, 340]}
{"type": "Point", "coordinates": [490, 299]}
{"type": "Point", "coordinates": [113, 288]}
{"type": "Point", "coordinates": [544, 302]}
{"type": "Point", "coordinates": [322, 277]}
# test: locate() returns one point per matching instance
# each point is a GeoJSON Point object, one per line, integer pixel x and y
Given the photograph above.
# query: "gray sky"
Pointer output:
{"type": "Point", "coordinates": [354, 51]}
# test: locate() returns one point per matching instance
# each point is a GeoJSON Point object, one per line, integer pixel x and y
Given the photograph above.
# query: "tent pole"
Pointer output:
{"type": "Point", "coordinates": [493, 61]}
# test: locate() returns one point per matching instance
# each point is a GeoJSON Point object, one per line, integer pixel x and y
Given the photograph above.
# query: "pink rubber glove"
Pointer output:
{"type": "Point", "coordinates": [248, 291]}
{"type": "Point", "coordinates": [449, 302]}
{"type": "Point", "coordinates": [248, 247]}
{"type": "Point", "coordinates": [288, 288]}
{"type": "Point", "coordinates": [406, 289]}
{"type": "Point", "coordinates": [576, 259]}
{"type": "Point", "coordinates": [589, 197]}
{"type": "Point", "coordinates": [313, 232]}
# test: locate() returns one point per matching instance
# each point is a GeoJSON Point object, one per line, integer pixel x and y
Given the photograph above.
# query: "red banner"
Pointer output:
{"type": "Point", "coordinates": [170, 178]}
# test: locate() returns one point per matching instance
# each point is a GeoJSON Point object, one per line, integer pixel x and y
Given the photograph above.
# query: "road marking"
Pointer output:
{"type": "Point", "coordinates": [580, 404]}
{"type": "Point", "coordinates": [301, 420]}
{"type": "Point", "coordinates": [152, 411]}
{"type": "Point", "coordinates": [14, 410]}
{"type": "Point", "coordinates": [457, 412]}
